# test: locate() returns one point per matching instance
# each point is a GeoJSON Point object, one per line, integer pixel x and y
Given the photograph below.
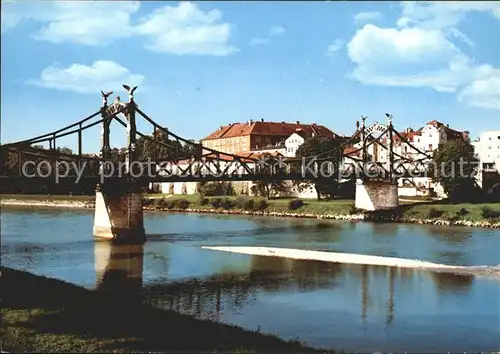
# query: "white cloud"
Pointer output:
{"type": "Point", "coordinates": [273, 32]}
{"type": "Point", "coordinates": [484, 91]}
{"type": "Point", "coordinates": [101, 75]}
{"type": "Point", "coordinates": [441, 15]}
{"type": "Point", "coordinates": [185, 29]}
{"type": "Point", "coordinates": [95, 23]}
{"type": "Point", "coordinates": [181, 29]}
{"type": "Point", "coordinates": [367, 16]}
{"type": "Point", "coordinates": [421, 53]}
{"type": "Point", "coordinates": [335, 46]}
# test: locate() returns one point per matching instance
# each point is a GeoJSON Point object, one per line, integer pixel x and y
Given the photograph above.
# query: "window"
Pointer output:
{"type": "Point", "coordinates": [430, 146]}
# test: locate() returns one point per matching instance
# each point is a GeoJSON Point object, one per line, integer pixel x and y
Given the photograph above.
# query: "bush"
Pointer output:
{"type": "Point", "coordinates": [462, 212]}
{"type": "Point", "coordinates": [147, 201]}
{"type": "Point", "coordinates": [216, 202]}
{"type": "Point", "coordinates": [295, 204]}
{"type": "Point", "coordinates": [488, 213]}
{"type": "Point", "coordinates": [227, 203]}
{"type": "Point", "coordinates": [250, 205]}
{"type": "Point", "coordinates": [434, 213]}
{"type": "Point", "coordinates": [240, 202]}
{"type": "Point", "coordinates": [215, 188]}
{"type": "Point", "coordinates": [181, 203]}
{"type": "Point", "coordinates": [353, 210]}
{"type": "Point", "coordinates": [262, 204]}
{"type": "Point", "coordinates": [203, 200]}
{"type": "Point", "coordinates": [169, 204]}
{"type": "Point", "coordinates": [493, 194]}
{"type": "Point", "coordinates": [161, 203]}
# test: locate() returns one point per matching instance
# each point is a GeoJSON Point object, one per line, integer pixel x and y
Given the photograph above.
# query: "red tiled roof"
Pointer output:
{"type": "Point", "coordinates": [451, 134]}
{"type": "Point", "coordinates": [269, 128]}
{"type": "Point", "coordinates": [435, 123]}
{"type": "Point", "coordinates": [245, 156]}
{"type": "Point", "coordinates": [349, 150]}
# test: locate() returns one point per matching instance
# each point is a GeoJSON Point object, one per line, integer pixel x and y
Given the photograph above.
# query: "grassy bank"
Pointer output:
{"type": "Point", "coordinates": [46, 315]}
{"type": "Point", "coordinates": [49, 198]}
{"type": "Point", "coordinates": [419, 209]}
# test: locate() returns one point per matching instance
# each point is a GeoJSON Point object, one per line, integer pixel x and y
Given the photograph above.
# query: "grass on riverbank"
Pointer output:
{"type": "Point", "coordinates": [418, 209]}
{"type": "Point", "coordinates": [46, 315]}
{"type": "Point", "coordinates": [49, 198]}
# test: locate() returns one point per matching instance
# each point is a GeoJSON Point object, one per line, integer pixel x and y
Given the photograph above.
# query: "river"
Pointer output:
{"type": "Point", "coordinates": [350, 307]}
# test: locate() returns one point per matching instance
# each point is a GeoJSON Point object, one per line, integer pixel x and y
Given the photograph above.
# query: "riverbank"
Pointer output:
{"type": "Point", "coordinates": [41, 314]}
{"type": "Point", "coordinates": [485, 215]}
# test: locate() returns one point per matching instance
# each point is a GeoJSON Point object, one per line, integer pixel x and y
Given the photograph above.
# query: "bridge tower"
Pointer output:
{"type": "Point", "coordinates": [376, 193]}
{"type": "Point", "coordinates": [118, 206]}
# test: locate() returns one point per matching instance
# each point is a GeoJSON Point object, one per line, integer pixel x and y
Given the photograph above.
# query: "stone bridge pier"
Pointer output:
{"type": "Point", "coordinates": [118, 212]}
{"type": "Point", "coordinates": [374, 195]}
{"type": "Point", "coordinates": [118, 206]}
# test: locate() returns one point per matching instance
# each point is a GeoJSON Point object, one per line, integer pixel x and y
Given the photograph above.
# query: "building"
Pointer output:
{"type": "Point", "coordinates": [487, 150]}
{"type": "Point", "coordinates": [254, 139]}
{"type": "Point", "coordinates": [425, 140]}
{"type": "Point", "coordinates": [260, 136]}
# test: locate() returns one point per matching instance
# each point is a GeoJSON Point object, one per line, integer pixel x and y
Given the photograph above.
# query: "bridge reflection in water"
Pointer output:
{"type": "Point", "coordinates": [119, 271]}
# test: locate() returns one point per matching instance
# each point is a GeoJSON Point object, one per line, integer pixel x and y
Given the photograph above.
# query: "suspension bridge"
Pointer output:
{"type": "Point", "coordinates": [119, 184]}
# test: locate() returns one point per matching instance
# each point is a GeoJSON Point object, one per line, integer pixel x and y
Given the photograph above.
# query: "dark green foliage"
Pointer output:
{"type": "Point", "coordinates": [262, 204]}
{"type": "Point", "coordinates": [162, 148]}
{"type": "Point", "coordinates": [353, 210]}
{"type": "Point", "coordinates": [215, 188]}
{"type": "Point", "coordinates": [295, 204]}
{"type": "Point", "coordinates": [240, 202]}
{"type": "Point", "coordinates": [161, 203]}
{"type": "Point", "coordinates": [147, 201]}
{"type": "Point", "coordinates": [494, 193]}
{"type": "Point", "coordinates": [488, 213]}
{"type": "Point", "coordinates": [434, 213]}
{"type": "Point", "coordinates": [462, 212]}
{"type": "Point", "coordinates": [454, 167]}
{"type": "Point", "coordinates": [203, 200]}
{"type": "Point", "coordinates": [271, 184]}
{"type": "Point", "coordinates": [216, 202]}
{"type": "Point", "coordinates": [181, 203]}
{"type": "Point", "coordinates": [246, 203]}
{"type": "Point", "coordinates": [250, 205]}
{"type": "Point", "coordinates": [327, 183]}
{"type": "Point", "coordinates": [227, 203]}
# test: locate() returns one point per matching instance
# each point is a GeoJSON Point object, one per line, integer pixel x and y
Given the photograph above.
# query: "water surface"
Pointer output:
{"type": "Point", "coordinates": [362, 308]}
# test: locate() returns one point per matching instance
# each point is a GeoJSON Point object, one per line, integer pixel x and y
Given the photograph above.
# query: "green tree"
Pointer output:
{"type": "Point", "coordinates": [165, 149]}
{"type": "Point", "coordinates": [327, 150]}
{"type": "Point", "coordinates": [270, 184]}
{"type": "Point", "coordinates": [454, 168]}
{"type": "Point", "coordinates": [65, 150]}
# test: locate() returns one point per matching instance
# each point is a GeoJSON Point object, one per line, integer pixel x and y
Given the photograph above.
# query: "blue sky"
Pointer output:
{"type": "Point", "coordinates": [205, 64]}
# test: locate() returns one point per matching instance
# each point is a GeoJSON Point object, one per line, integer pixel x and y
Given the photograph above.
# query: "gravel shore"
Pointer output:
{"type": "Point", "coordinates": [345, 217]}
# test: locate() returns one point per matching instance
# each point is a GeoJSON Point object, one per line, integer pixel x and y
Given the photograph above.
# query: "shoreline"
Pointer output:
{"type": "Point", "coordinates": [343, 217]}
{"type": "Point", "coordinates": [42, 314]}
